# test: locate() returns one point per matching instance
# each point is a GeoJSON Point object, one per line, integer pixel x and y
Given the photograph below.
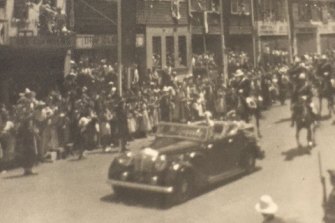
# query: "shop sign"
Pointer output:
{"type": "Point", "coordinates": [95, 41]}
{"type": "Point", "coordinates": [240, 30]}
{"type": "Point", "coordinates": [327, 29]}
{"type": "Point", "coordinates": [272, 29]}
{"type": "Point", "coordinates": [305, 30]}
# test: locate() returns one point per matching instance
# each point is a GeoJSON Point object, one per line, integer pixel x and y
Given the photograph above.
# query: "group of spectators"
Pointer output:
{"type": "Point", "coordinates": [87, 112]}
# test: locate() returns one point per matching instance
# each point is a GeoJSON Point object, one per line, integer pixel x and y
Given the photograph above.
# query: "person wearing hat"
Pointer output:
{"type": "Point", "coordinates": [329, 207]}
{"type": "Point", "coordinates": [242, 83]}
{"type": "Point", "coordinates": [268, 209]}
{"type": "Point", "coordinates": [122, 123]}
{"type": "Point", "coordinates": [301, 89]}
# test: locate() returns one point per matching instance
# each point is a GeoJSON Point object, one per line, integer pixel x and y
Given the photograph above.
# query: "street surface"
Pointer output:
{"type": "Point", "coordinates": [76, 191]}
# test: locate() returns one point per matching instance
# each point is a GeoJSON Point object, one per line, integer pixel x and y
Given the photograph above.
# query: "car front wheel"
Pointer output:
{"type": "Point", "coordinates": [183, 190]}
{"type": "Point", "coordinates": [249, 162]}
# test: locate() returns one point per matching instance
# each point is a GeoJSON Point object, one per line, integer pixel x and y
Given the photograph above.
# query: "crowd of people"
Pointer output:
{"type": "Point", "coordinates": [88, 112]}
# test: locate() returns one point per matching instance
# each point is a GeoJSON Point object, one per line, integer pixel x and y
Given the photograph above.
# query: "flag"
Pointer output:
{"type": "Point", "coordinates": [2, 34]}
{"type": "Point", "coordinates": [189, 3]}
{"type": "Point", "coordinates": [205, 22]}
{"type": "Point", "coordinates": [175, 9]}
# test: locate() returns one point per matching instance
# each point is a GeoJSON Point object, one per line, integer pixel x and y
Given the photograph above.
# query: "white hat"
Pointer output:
{"type": "Point", "coordinates": [208, 114]}
{"type": "Point", "coordinates": [302, 76]}
{"type": "Point", "coordinates": [266, 205]}
{"type": "Point", "coordinates": [239, 73]}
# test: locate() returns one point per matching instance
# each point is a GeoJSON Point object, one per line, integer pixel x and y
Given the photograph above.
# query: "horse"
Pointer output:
{"type": "Point", "coordinates": [304, 119]}
{"type": "Point", "coordinates": [325, 90]}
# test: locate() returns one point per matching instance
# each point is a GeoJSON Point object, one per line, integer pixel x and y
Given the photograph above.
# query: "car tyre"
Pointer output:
{"type": "Point", "coordinates": [249, 162]}
{"type": "Point", "coordinates": [183, 191]}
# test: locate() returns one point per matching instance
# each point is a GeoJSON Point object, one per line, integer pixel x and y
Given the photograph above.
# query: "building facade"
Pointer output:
{"type": "Point", "coordinates": [314, 27]}
{"type": "Point", "coordinates": [39, 38]}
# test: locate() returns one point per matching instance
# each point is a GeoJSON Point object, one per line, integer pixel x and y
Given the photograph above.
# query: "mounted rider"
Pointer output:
{"type": "Point", "coordinates": [302, 90]}
{"type": "Point", "coordinates": [326, 78]}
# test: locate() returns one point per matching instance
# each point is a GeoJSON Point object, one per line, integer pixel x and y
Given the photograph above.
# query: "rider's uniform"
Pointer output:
{"type": "Point", "coordinates": [301, 89]}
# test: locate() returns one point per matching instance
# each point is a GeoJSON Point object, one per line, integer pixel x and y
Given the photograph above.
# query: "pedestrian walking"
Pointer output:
{"type": "Point", "coordinates": [329, 207]}
{"type": "Point", "coordinates": [27, 141]}
{"type": "Point", "coordinates": [268, 209]}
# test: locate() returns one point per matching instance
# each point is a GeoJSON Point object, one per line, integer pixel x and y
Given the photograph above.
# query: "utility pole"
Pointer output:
{"type": "Point", "coordinates": [119, 45]}
{"type": "Point", "coordinates": [289, 18]}
{"type": "Point", "coordinates": [223, 46]}
{"type": "Point", "coordinates": [254, 33]}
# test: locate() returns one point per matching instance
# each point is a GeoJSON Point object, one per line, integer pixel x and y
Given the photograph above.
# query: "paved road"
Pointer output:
{"type": "Point", "coordinates": [75, 191]}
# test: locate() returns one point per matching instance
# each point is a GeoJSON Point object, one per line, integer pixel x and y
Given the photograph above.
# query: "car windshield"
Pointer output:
{"type": "Point", "coordinates": [183, 131]}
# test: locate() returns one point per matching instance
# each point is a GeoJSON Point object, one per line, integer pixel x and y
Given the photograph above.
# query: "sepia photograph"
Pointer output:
{"type": "Point", "coordinates": [174, 111]}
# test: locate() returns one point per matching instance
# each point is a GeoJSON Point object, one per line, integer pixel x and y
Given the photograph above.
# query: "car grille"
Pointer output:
{"type": "Point", "coordinates": [143, 164]}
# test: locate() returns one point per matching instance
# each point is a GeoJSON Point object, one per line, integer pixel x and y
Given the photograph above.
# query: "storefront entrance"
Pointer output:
{"type": "Point", "coordinates": [306, 43]}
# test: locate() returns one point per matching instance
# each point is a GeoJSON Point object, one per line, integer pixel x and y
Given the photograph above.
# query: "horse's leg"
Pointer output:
{"type": "Point", "coordinates": [257, 118]}
{"type": "Point", "coordinates": [320, 106]}
{"type": "Point", "coordinates": [313, 135]}
{"type": "Point", "coordinates": [309, 137]}
{"type": "Point", "coordinates": [297, 135]}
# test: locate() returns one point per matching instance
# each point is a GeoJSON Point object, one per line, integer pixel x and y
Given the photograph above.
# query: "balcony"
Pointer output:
{"type": "Point", "coordinates": [27, 40]}
{"type": "Point", "coordinates": [272, 28]}
{"type": "Point", "coordinates": [198, 23]}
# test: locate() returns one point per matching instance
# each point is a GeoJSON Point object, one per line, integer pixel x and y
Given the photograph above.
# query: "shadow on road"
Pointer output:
{"type": "Point", "coordinates": [139, 199]}
{"type": "Point", "coordinates": [19, 176]}
{"type": "Point", "coordinates": [159, 201]}
{"type": "Point", "coordinates": [296, 152]}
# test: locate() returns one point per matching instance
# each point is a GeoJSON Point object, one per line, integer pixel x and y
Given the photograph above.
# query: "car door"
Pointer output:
{"type": "Point", "coordinates": [216, 151]}
{"type": "Point", "coordinates": [234, 147]}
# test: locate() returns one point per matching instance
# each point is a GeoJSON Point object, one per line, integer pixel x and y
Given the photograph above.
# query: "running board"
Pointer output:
{"type": "Point", "coordinates": [225, 176]}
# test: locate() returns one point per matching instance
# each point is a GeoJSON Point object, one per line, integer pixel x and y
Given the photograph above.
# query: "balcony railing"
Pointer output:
{"type": "Point", "coordinates": [31, 41]}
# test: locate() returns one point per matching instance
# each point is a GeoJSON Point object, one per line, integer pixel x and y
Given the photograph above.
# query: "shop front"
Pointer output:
{"type": "Point", "coordinates": [306, 41]}
{"type": "Point", "coordinates": [166, 47]}
{"type": "Point", "coordinates": [327, 37]}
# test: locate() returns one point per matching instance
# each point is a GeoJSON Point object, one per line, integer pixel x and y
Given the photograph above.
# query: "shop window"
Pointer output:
{"type": "Point", "coordinates": [2, 3]}
{"type": "Point", "coordinates": [273, 11]}
{"type": "Point", "coordinates": [170, 56]}
{"type": "Point", "coordinates": [157, 51]}
{"type": "Point", "coordinates": [316, 12]}
{"type": "Point", "coordinates": [182, 54]}
{"type": "Point", "coordinates": [329, 11]}
{"type": "Point", "coordinates": [20, 10]}
{"type": "Point", "coordinates": [304, 12]}
{"type": "Point", "coordinates": [240, 7]}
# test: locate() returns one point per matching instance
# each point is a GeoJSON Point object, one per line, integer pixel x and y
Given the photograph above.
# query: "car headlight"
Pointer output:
{"type": "Point", "coordinates": [125, 160]}
{"type": "Point", "coordinates": [161, 163]}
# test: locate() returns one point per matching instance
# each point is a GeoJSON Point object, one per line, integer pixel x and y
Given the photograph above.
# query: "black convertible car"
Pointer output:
{"type": "Point", "coordinates": [186, 157]}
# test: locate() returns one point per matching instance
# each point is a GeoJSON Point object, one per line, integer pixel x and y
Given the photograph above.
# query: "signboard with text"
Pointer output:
{"type": "Point", "coordinates": [273, 29]}
{"type": "Point", "coordinates": [95, 41]}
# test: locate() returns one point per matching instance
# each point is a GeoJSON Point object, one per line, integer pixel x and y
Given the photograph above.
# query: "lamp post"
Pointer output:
{"type": "Point", "coordinates": [223, 46]}
{"type": "Point", "coordinates": [119, 45]}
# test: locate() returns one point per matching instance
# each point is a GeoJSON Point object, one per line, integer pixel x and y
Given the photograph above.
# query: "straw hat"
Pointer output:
{"type": "Point", "coordinates": [239, 73]}
{"type": "Point", "coordinates": [266, 205]}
